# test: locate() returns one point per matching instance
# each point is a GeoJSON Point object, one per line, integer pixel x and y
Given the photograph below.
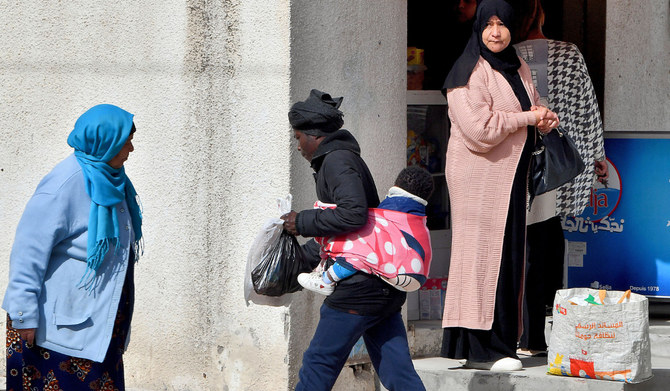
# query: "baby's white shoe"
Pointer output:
{"type": "Point", "coordinates": [314, 282]}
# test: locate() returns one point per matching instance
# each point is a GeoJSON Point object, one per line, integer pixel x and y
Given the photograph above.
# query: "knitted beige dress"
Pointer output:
{"type": "Point", "coordinates": [487, 136]}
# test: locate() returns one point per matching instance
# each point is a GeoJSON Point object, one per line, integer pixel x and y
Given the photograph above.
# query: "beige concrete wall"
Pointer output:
{"type": "Point", "coordinates": [210, 84]}
{"type": "Point", "coordinates": [637, 74]}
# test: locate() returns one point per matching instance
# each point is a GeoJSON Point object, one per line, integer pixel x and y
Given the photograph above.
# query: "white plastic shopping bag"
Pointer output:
{"type": "Point", "coordinates": [269, 234]}
{"type": "Point", "coordinates": [600, 334]}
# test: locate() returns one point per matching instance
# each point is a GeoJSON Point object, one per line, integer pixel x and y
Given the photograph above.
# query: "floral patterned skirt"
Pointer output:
{"type": "Point", "coordinates": [32, 368]}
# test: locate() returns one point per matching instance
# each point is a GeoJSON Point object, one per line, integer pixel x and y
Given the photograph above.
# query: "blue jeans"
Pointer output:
{"type": "Point", "coordinates": [335, 336]}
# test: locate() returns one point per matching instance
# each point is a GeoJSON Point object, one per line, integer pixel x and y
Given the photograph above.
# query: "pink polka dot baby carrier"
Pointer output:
{"type": "Point", "coordinates": [392, 245]}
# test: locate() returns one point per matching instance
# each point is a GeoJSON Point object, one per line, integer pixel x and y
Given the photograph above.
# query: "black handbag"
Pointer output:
{"type": "Point", "coordinates": [556, 161]}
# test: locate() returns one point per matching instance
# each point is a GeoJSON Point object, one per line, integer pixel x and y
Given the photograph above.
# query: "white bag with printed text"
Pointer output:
{"type": "Point", "coordinates": [600, 334]}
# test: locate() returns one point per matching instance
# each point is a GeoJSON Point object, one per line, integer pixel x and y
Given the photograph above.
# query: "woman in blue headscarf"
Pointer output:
{"type": "Point", "coordinates": [70, 294]}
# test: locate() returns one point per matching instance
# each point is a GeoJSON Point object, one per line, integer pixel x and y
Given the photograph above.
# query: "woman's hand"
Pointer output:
{"type": "Point", "coordinates": [289, 222]}
{"type": "Point", "coordinates": [601, 171]}
{"type": "Point", "coordinates": [27, 335]}
{"type": "Point", "coordinates": [545, 119]}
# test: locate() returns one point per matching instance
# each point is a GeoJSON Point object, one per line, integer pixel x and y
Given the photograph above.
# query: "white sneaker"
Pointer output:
{"type": "Point", "coordinates": [506, 364]}
{"type": "Point", "coordinates": [314, 282]}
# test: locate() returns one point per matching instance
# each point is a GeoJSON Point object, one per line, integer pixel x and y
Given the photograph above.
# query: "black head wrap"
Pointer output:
{"type": "Point", "coordinates": [318, 115]}
{"type": "Point", "coordinates": [505, 61]}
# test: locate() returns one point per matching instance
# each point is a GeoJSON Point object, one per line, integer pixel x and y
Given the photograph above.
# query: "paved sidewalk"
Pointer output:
{"type": "Point", "coordinates": [442, 374]}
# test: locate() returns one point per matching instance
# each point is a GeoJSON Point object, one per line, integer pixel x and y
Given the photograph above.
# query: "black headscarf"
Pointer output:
{"type": "Point", "coordinates": [506, 62]}
{"type": "Point", "coordinates": [318, 115]}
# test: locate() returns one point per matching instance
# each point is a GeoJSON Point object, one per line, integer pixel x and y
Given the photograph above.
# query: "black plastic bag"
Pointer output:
{"type": "Point", "coordinates": [277, 272]}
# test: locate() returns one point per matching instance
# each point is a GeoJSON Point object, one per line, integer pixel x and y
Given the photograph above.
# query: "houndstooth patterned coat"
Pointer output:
{"type": "Point", "coordinates": [571, 96]}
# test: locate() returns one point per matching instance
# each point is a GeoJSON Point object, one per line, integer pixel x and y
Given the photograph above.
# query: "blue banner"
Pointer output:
{"type": "Point", "coordinates": [622, 240]}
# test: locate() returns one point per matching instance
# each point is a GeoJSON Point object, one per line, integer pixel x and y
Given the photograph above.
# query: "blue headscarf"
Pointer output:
{"type": "Point", "coordinates": [98, 136]}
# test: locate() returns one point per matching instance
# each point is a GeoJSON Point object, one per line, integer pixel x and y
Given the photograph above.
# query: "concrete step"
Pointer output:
{"type": "Point", "coordinates": [441, 374]}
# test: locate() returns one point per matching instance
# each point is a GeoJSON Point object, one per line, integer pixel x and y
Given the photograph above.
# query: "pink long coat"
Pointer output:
{"type": "Point", "coordinates": [487, 136]}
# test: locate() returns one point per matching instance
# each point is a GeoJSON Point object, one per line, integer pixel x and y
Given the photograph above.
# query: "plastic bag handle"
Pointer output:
{"type": "Point", "coordinates": [602, 294]}
{"type": "Point", "coordinates": [625, 295]}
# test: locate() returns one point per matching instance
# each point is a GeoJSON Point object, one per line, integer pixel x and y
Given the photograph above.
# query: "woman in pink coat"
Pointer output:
{"type": "Point", "coordinates": [493, 108]}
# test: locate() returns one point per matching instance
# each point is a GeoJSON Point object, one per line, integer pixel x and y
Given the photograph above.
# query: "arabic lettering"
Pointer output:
{"type": "Point", "coordinates": [585, 337]}
{"type": "Point", "coordinates": [588, 326]}
{"type": "Point", "coordinates": [580, 224]}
